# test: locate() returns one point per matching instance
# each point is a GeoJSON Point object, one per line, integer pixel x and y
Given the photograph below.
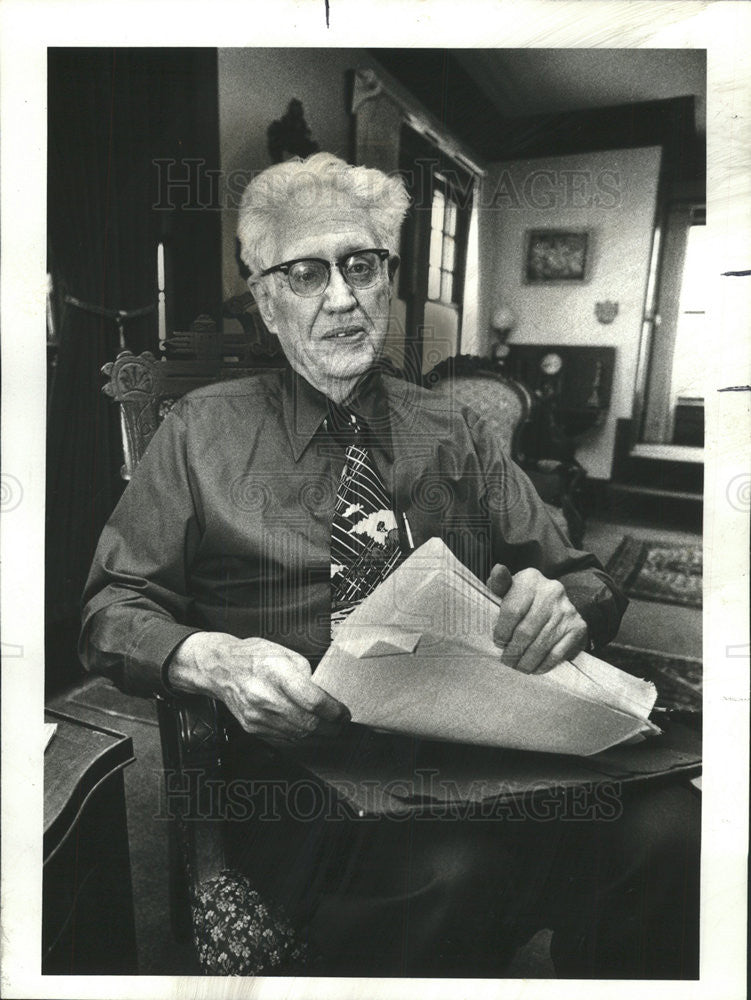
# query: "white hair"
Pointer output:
{"type": "Point", "coordinates": [320, 180]}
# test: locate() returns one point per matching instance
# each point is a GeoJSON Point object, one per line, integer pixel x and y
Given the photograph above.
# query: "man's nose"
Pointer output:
{"type": "Point", "coordinates": [338, 296]}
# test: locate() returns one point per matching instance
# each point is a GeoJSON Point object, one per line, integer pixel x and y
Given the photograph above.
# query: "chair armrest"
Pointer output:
{"type": "Point", "coordinates": [195, 730]}
{"type": "Point", "coordinates": [559, 484]}
{"type": "Point", "coordinates": [193, 739]}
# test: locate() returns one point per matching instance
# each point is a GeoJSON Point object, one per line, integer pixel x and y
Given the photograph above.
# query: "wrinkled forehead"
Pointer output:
{"type": "Point", "coordinates": [320, 231]}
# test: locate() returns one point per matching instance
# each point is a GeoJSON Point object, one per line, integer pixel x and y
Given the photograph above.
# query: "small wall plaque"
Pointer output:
{"type": "Point", "coordinates": [606, 311]}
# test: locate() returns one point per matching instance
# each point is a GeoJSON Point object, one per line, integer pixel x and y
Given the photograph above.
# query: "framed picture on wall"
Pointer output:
{"type": "Point", "coordinates": [556, 256]}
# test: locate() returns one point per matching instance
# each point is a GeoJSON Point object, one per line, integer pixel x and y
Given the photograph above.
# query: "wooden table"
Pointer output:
{"type": "Point", "coordinates": [87, 911]}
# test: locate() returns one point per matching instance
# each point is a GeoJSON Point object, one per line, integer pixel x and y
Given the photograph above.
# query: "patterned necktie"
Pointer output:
{"type": "Point", "coordinates": [364, 536]}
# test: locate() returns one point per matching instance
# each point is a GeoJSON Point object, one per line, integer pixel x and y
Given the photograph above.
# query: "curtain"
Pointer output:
{"type": "Point", "coordinates": [98, 247]}
{"type": "Point", "coordinates": [111, 114]}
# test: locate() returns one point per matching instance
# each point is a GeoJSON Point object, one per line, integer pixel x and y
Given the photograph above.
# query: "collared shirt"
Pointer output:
{"type": "Point", "coordinates": [226, 523]}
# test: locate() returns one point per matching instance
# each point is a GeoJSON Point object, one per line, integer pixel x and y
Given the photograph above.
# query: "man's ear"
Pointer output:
{"type": "Point", "coordinates": [393, 265]}
{"type": "Point", "coordinates": [265, 304]}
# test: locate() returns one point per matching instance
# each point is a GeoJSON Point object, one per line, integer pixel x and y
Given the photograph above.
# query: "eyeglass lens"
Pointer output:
{"type": "Point", "coordinates": [310, 277]}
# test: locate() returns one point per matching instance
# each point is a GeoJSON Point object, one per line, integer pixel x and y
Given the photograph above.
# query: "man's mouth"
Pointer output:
{"type": "Point", "coordinates": [344, 333]}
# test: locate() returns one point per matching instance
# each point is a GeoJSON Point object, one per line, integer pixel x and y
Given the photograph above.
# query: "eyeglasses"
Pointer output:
{"type": "Point", "coordinates": [308, 276]}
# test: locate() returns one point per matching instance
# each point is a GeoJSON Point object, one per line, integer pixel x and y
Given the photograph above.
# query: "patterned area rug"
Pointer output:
{"type": "Point", "coordinates": [678, 679]}
{"type": "Point", "coordinates": [669, 573]}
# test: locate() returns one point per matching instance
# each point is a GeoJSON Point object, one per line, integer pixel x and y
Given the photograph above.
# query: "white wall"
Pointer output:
{"type": "Point", "coordinates": [613, 194]}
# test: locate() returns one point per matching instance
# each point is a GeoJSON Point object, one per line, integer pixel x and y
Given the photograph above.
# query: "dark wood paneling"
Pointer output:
{"type": "Point", "coordinates": [113, 114]}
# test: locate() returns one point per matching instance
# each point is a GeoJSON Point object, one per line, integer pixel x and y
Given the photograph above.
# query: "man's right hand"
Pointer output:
{"type": "Point", "coordinates": [267, 687]}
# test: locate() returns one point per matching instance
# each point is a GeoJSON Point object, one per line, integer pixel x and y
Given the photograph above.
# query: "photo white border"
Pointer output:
{"type": "Point", "coordinates": [28, 26]}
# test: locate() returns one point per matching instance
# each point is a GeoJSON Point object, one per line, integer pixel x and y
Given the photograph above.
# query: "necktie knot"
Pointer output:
{"type": "Point", "coordinates": [342, 423]}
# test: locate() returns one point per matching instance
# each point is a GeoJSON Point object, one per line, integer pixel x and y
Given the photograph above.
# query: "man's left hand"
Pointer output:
{"type": "Point", "coordinates": [537, 625]}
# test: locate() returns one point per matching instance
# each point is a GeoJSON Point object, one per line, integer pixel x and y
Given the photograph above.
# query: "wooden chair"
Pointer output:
{"type": "Point", "coordinates": [203, 890]}
{"type": "Point", "coordinates": [192, 733]}
{"type": "Point", "coordinates": [506, 406]}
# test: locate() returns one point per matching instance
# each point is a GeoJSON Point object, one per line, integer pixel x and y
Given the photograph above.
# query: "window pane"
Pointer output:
{"type": "Point", "coordinates": [434, 282]}
{"type": "Point", "coordinates": [451, 213]}
{"type": "Point", "coordinates": [449, 250]}
{"type": "Point", "coordinates": [697, 268]}
{"type": "Point", "coordinates": [436, 239]}
{"type": "Point", "coordinates": [689, 367]}
{"type": "Point", "coordinates": [447, 285]}
{"type": "Point", "coordinates": [436, 219]}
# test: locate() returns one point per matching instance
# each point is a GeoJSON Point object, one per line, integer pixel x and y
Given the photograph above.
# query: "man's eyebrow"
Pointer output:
{"type": "Point", "coordinates": [339, 255]}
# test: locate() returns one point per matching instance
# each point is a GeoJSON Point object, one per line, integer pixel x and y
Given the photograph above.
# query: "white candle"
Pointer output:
{"type": "Point", "coordinates": [162, 319]}
{"type": "Point", "coordinates": [161, 307]}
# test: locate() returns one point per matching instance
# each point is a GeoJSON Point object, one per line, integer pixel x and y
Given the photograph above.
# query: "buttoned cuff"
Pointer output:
{"type": "Point", "coordinates": [148, 662]}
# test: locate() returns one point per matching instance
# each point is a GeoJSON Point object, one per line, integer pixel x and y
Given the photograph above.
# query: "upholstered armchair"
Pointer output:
{"type": "Point", "coordinates": [506, 406]}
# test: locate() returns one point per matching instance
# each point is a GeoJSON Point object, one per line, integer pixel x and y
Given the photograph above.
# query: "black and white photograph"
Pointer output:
{"type": "Point", "coordinates": [387, 535]}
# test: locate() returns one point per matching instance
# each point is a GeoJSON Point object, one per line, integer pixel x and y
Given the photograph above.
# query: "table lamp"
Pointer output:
{"type": "Point", "coordinates": [502, 322]}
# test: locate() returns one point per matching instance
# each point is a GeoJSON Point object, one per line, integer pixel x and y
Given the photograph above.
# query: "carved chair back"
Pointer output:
{"type": "Point", "coordinates": [147, 389]}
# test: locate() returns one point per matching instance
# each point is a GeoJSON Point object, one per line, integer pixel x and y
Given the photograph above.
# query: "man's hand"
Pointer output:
{"type": "Point", "coordinates": [267, 687]}
{"type": "Point", "coordinates": [537, 624]}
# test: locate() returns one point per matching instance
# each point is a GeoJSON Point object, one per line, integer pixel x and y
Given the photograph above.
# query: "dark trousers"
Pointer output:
{"type": "Point", "coordinates": [457, 897]}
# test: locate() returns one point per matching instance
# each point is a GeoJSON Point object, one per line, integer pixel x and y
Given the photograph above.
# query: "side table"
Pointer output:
{"type": "Point", "coordinates": [87, 911]}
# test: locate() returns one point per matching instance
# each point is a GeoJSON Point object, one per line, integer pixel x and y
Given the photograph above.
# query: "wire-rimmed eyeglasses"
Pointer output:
{"type": "Point", "coordinates": [308, 276]}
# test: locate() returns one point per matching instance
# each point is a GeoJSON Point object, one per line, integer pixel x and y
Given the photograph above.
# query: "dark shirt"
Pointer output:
{"type": "Point", "coordinates": [226, 523]}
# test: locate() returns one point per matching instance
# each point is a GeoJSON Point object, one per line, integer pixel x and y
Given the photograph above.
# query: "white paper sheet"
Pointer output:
{"type": "Point", "coordinates": [417, 657]}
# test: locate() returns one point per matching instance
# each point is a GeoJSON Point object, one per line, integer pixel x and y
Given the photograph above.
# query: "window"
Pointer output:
{"type": "Point", "coordinates": [434, 249]}
{"type": "Point", "coordinates": [443, 237]}
{"type": "Point", "coordinates": [675, 342]}
{"type": "Point", "coordinates": [691, 337]}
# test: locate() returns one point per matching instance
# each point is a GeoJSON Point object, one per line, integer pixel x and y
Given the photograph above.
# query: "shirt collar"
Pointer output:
{"type": "Point", "coordinates": [305, 409]}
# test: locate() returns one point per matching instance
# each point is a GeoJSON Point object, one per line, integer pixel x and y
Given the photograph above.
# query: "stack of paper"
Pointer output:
{"type": "Point", "coordinates": [418, 657]}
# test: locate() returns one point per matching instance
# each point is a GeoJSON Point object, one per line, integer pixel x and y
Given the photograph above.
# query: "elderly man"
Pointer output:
{"type": "Point", "coordinates": [266, 508]}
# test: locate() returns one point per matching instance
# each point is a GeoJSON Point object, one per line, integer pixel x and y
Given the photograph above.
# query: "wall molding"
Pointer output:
{"type": "Point", "coordinates": [377, 86]}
